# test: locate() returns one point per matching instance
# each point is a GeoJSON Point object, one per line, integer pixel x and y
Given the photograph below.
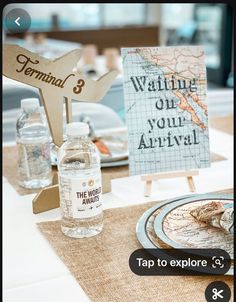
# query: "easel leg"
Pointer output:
{"type": "Point", "coordinates": [147, 189]}
{"type": "Point", "coordinates": [191, 184]}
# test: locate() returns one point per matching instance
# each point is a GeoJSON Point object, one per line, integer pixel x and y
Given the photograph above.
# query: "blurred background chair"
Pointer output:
{"type": "Point", "coordinates": [186, 34]}
{"type": "Point", "coordinates": [14, 91]}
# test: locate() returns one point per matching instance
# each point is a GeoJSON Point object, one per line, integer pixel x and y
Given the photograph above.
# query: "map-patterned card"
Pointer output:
{"type": "Point", "coordinates": [166, 111]}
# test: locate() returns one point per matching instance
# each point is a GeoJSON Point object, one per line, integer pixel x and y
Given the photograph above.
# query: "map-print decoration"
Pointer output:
{"type": "Point", "coordinates": [179, 229]}
{"type": "Point", "coordinates": [166, 111]}
{"type": "Point", "coordinates": [146, 229]}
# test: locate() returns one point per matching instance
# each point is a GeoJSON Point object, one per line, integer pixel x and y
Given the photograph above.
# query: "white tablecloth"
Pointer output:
{"type": "Point", "coordinates": [32, 271]}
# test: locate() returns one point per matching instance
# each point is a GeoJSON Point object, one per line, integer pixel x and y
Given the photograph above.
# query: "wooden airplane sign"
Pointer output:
{"type": "Point", "coordinates": [56, 80]}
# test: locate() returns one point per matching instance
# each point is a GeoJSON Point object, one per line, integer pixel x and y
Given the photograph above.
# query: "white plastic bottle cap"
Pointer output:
{"type": "Point", "coordinates": [77, 129]}
{"type": "Point", "coordinates": [30, 103]}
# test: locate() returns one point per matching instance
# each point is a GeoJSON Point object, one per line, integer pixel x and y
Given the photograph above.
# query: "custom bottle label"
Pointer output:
{"type": "Point", "coordinates": [80, 197]}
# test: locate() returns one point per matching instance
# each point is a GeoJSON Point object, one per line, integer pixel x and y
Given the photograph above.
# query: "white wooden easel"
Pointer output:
{"type": "Point", "coordinates": [149, 178]}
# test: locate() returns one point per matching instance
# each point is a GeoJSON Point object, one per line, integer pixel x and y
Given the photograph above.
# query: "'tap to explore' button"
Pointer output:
{"type": "Point", "coordinates": [175, 262]}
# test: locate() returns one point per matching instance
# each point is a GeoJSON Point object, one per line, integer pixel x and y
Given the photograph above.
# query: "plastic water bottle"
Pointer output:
{"type": "Point", "coordinates": [80, 184]}
{"type": "Point", "coordinates": [32, 138]}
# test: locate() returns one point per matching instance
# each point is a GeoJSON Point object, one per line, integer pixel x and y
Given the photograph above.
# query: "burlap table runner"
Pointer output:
{"type": "Point", "coordinates": [10, 159]}
{"type": "Point", "coordinates": [101, 264]}
{"type": "Point", "coordinates": [10, 170]}
{"type": "Point", "coordinates": [224, 123]}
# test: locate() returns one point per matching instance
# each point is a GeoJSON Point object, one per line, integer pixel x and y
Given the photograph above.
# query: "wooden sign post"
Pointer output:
{"type": "Point", "coordinates": [57, 82]}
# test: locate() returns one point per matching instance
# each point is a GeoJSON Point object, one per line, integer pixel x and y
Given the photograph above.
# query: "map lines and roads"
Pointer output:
{"type": "Point", "coordinates": [166, 111]}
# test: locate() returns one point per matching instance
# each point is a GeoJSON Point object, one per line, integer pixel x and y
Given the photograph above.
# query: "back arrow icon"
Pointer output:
{"type": "Point", "coordinates": [16, 21]}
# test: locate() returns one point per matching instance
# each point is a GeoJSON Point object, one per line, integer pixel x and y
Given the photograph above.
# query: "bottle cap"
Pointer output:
{"type": "Point", "coordinates": [77, 129]}
{"type": "Point", "coordinates": [30, 103]}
